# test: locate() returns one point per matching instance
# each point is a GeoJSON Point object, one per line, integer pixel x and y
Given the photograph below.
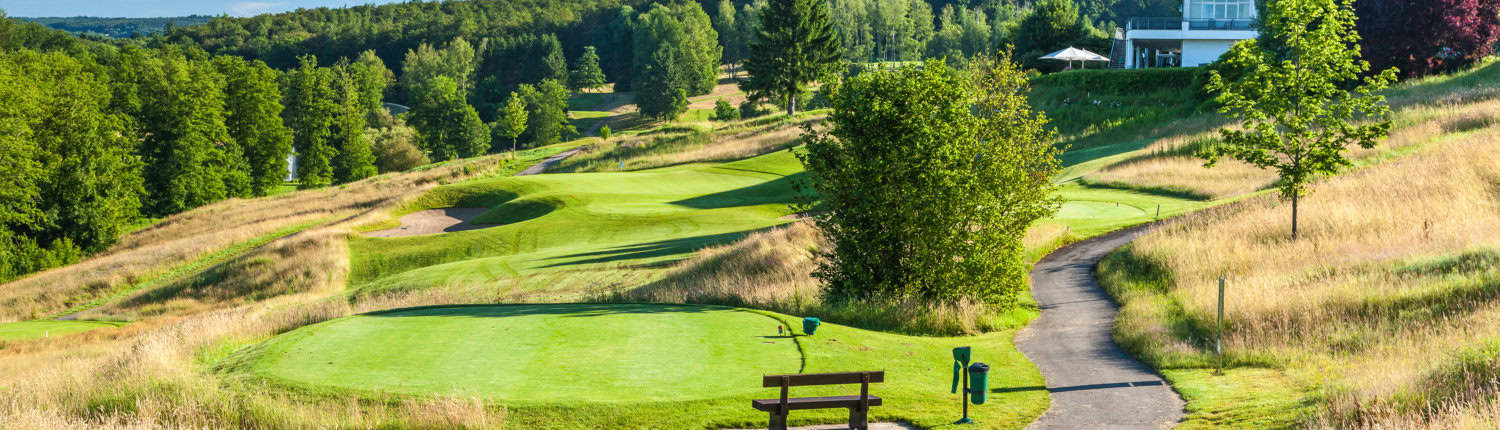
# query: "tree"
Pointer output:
{"type": "Point", "coordinates": [684, 31]}
{"type": "Point", "coordinates": [1299, 114]}
{"type": "Point", "coordinates": [1052, 25]}
{"type": "Point", "coordinates": [981, 158]}
{"type": "Point", "coordinates": [455, 61]}
{"type": "Point", "coordinates": [373, 79]}
{"type": "Point", "coordinates": [660, 93]}
{"type": "Point", "coordinates": [513, 118]}
{"type": "Point", "coordinates": [254, 121]}
{"type": "Point", "coordinates": [604, 133]}
{"type": "Point", "coordinates": [586, 74]}
{"type": "Point", "coordinates": [1420, 38]}
{"type": "Point", "coordinates": [353, 160]}
{"type": "Point", "coordinates": [190, 158]}
{"type": "Point", "coordinates": [729, 33]}
{"type": "Point", "coordinates": [447, 127]}
{"type": "Point", "coordinates": [310, 110]}
{"type": "Point", "coordinates": [795, 45]}
{"type": "Point", "coordinates": [554, 64]}
{"type": "Point", "coordinates": [546, 113]}
{"type": "Point", "coordinates": [395, 148]}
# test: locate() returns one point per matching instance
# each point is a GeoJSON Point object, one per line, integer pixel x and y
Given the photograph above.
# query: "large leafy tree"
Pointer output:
{"type": "Point", "coordinates": [660, 93]}
{"type": "Point", "coordinates": [456, 61]}
{"type": "Point", "coordinates": [794, 45]}
{"type": "Point", "coordinates": [191, 159]}
{"type": "Point", "coordinates": [311, 106]}
{"type": "Point", "coordinates": [447, 127]}
{"type": "Point", "coordinates": [72, 180]}
{"type": "Point", "coordinates": [254, 120]}
{"type": "Point", "coordinates": [930, 177]}
{"type": "Point", "coordinates": [546, 113]}
{"type": "Point", "coordinates": [676, 40]}
{"type": "Point", "coordinates": [1304, 103]}
{"type": "Point", "coordinates": [373, 79]}
{"type": "Point", "coordinates": [1424, 37]}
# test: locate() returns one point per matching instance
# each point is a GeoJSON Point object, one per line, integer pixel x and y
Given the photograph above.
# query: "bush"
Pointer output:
{"type": "Point", "coordinates": [395, 148]}
{"type": "Point", "coordinates": [723, 111]}
{"type": "Point", "coordinates": [1124, 81]}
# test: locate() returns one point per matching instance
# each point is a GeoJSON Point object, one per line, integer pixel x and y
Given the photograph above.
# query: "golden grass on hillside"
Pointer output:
{"type": "Point", "coordinates": [184, 237]}
{"type": "Point", "coordinates": [681, 145]}
{"type": "Point", "coordinates": [1397, 273]}
{"type": "Point", "coordinates": [1169, 165]}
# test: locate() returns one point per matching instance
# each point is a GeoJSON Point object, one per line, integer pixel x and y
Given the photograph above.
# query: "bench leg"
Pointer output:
{"type": "Point", "coordinates": [778, 422]}
{"type": "Point", "coordinates": [857, 419]}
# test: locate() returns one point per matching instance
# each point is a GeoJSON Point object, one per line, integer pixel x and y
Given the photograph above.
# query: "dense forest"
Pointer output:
{"type": "Point", "coordinates": [117, 27]}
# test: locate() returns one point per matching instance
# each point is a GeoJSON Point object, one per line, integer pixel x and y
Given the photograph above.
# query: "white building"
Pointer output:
{"type": "Point", "coordinates": [1205, 31]}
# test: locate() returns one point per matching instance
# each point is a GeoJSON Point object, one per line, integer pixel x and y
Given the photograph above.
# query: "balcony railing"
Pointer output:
{"type": "Point", "coordinates": [1221, 24]}
{"type": "Point", "coordinates": [1171, 23]}
{"type": "Point", "coordinates": [1175, 23]}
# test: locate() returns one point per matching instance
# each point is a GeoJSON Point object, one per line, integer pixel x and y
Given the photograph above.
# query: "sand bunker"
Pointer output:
{"type": "Point", "coordinates": [434, 221]}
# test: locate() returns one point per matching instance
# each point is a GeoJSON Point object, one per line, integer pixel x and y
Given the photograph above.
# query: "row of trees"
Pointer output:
{"type": "Point", "coordinates": [98, 136]}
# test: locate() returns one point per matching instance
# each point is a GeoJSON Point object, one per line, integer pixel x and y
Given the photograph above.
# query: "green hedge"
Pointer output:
{"type": "Point", "coordinates": [1124, 82]}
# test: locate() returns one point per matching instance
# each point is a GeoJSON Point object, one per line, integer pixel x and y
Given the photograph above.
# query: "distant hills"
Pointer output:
{"type": "Point", "coordinates": [116, 27]}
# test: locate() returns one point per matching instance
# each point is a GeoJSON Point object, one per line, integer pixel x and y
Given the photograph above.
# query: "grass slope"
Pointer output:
{"type": "Point", "coordinates": [48, 328]}
{"type": "Point", "coordinates": [634, 366]}
{"type": "Point", "coordinates": [563, 234]}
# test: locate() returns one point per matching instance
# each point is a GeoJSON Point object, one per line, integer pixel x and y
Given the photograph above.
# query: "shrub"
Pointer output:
{"type": "Point", "coordinates": [395, 148]}
{"type": "Point", "coordinates": [723, 111]}
{"type": "Point", "coordinates": [750, 109]}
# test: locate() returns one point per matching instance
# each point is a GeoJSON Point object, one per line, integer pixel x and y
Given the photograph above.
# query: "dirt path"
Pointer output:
{"type": "Point", "coordinates": [538, 168]}
{"type": "Point", "coordinates": [1092, 382]}
{"type": "Point", "coordinates": [434, 221]}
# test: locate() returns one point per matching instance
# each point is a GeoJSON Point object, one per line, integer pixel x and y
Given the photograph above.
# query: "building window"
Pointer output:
{"type": "Point", "coordinates": [1221, 9]}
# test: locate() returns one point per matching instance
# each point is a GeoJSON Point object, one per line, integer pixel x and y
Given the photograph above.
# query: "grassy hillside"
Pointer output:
{"type": "Point", "coordinates": [1382, 316]}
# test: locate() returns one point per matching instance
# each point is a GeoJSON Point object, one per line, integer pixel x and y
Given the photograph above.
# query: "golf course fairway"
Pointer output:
{"type": "Point", "coordinates": [632, 365]}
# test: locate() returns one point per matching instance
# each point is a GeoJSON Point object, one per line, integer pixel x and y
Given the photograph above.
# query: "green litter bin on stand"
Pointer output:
{"type": "Point", "coordinates": [810, 325]}
{"type": "Point", "coordinates": [979, 382]}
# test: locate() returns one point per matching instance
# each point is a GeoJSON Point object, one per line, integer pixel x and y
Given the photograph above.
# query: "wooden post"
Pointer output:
{"type": "Point", "coordinates": [1219, 342]}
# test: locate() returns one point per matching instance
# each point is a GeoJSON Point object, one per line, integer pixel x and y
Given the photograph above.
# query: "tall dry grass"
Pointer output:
{"type": "Point", "coordinates": [1382, 301]}
{"type": "Point", "coordinates": [772, 270]}
{"type": "Point", "coordinates": [1169, 163]}
{"type": "Point", "coordinates": [683, 145]}
{"type": "Point", "coordinates": [181, 238]}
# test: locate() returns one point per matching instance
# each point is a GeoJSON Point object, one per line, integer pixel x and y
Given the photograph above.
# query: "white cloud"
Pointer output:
{"type": "Point", "coordinates": [252, 8]}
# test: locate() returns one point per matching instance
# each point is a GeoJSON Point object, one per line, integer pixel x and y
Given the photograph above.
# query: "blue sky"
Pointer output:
{"type": "Point", "coordinates": [151, 8]}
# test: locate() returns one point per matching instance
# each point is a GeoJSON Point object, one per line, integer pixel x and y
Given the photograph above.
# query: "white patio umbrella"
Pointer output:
{"type": "Point", "coordinates": [1074, 54]}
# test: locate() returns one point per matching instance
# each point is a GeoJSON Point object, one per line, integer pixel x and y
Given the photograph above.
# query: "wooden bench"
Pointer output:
{"type": "Point", "coordinates": [858, 406]}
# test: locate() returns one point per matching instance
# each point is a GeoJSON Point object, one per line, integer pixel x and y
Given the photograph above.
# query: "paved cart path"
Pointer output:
{"type": "Point", "coordinates": [1093, 384]}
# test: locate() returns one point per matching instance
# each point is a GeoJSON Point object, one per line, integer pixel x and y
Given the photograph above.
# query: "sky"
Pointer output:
{"type": "Point", "coordinates": [154, 8]}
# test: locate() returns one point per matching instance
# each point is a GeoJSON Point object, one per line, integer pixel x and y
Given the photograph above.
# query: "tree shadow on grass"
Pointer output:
{"type": "Point", "coordinates": [782, 190]}
{"type": "Point", "coordinates": [646, 250]}
{"type": "Point", "coordinates": [578, 310]}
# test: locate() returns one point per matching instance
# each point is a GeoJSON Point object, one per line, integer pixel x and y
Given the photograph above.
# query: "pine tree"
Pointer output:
{"type": "Point", "coordinates": [794, 45]}
{"type": "Point", "coordinates": [586, 74]}
{"type": "Point", "coordinates": [661, 94]}
{"type": "Point", "coordinates": [554, 64]}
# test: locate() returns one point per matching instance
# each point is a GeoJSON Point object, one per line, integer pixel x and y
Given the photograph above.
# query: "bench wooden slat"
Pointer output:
{"type": "Point", "coordinates": [832, 402]}
{"type": "Point", "coordinates": [805, 379]}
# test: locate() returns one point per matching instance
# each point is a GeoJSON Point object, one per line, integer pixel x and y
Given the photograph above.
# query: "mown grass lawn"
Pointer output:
{"type": "Point", "coordinates": [635, 366]}
{"type": "Point", "coordinates": [37, 329]}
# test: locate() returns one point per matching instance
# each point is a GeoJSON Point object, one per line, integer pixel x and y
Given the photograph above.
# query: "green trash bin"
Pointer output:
{"type": "Point", "coordinates": [979, 382]}
{"type": "Point", "coordinates": [810, 325]}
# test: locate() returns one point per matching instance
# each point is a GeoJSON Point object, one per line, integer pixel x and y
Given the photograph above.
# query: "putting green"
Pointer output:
{"type": "Point", "coordinates": [543, 353]}
{"type": "Point", "coordinates": [1086, 210]}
